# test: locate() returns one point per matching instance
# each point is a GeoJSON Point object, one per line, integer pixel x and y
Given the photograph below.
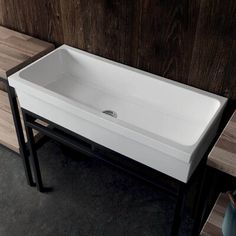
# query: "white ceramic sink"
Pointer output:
{"type": "Point", "coordinates": [161, 123]}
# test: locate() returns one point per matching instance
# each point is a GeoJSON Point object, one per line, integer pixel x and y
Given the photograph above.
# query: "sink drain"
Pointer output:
{"type": "Point", "coordinates": [110, 113]}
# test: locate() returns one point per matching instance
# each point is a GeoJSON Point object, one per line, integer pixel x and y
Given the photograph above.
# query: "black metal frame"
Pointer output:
{"type": "Point", "coordinates": [213, 182]}
{"type": "Point", "coordinates": [77, 142]}
{"type": "Point", "coordinates": [92, 149]}
{"type": "Point", "coordinates": [24, 153]}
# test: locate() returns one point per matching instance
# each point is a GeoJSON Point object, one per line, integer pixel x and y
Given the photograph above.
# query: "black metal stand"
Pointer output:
{"type": "Point", "coordinates": [19, 132]}
{"type": "Point", "coordinates": [203, 199]}
{"type": "Point", "coordinates": [90, 148]}
{"type": "Point", "coordinates": [179, 209]}
{"type": "Point", "coordinates": [33, 154]}
{"type": "Point", "coordinates": [213, 182]}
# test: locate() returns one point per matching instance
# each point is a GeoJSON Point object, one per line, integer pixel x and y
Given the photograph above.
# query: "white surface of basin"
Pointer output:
{"type": "Point", "coordinates": [163, 124]}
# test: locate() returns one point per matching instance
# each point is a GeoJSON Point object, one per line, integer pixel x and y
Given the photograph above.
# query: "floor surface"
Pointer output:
{"type": "Point", "coordinates": [89, 198]}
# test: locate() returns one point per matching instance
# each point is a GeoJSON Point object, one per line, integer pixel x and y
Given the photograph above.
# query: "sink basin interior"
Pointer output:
{"type": "Point", "coordinates": [151, 105]}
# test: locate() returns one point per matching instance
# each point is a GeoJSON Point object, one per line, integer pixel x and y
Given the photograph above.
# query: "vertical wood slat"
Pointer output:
{"type": "Point", "coordinates": [213, 66]}
{"type": "Point", "coordinates": [191, 41]}
{"type": "Point", "coordinates": [167, 37]}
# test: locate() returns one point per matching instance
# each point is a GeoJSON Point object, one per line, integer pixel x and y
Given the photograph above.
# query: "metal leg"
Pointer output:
{"type": "Point", "coordinates": [20, 135]}
{"type": "Point", "coordinates": [213, 186]}
{"type": "Point", "coordinates": [201, 205]}
{"type": "Point", "coordinates": [206, 198]}
{"type": "Point", "coordinates": [33, 154]}
{"type": "Point", "coordinates": [178, 209]}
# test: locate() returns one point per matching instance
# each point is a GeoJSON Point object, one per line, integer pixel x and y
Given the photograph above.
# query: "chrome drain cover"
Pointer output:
{"type": "Point", "coordinates": [110, 113]}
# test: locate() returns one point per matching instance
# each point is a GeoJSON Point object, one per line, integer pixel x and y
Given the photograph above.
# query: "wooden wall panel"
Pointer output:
{"type": "Point", "coordinates": [191, 41]}
{"type": "Point", "coordinates": [1, 10]}
{"type": "Point", "coordinates": [39, 18]}
{"type": "Point", "coordinates": [101, 27]}
{"type": "Point", "coordinates": [167, 37]}
{"type": "Point", "coordinates": [213, 66]}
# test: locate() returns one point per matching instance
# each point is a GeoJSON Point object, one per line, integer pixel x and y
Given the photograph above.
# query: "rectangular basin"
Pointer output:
{"type": "Point", "coordinates": [163, 124]}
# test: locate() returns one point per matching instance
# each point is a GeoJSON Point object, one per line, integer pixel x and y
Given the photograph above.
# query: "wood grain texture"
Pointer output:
{"type": "Point", "coordinates": [167, 37]}
{"type": "Point", "coordinates": [213, 66]}
{"type": "Point", "coordinates": [8, 136]}
{"type": "Point", "coordinates": [191, 41]}
{"type": "Point", "coordinates": [99, 27]}
{"type": "Point", "coordinates": [38, 18]}
{"type": "Point", "coordinates": [18, 50]}
{"type": "Point", "coordinates": [3, 86]}
{"type": "Point", "coordinates": [223, 154]}
{"type": "Point", "coordinates": [214, 222]}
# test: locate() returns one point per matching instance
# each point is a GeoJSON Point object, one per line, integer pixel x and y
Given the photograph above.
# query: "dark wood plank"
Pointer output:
{"type": "Point", "coordinates": [213, 65]}
{"type": "Point", "coordinates": [101, 27]}
{"type": "Point", "coordinates": [38, 18]}
{"type": "Point", "coordinates": [3, 86]}
{"type": "Point", "coordinates": [167, 37]}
